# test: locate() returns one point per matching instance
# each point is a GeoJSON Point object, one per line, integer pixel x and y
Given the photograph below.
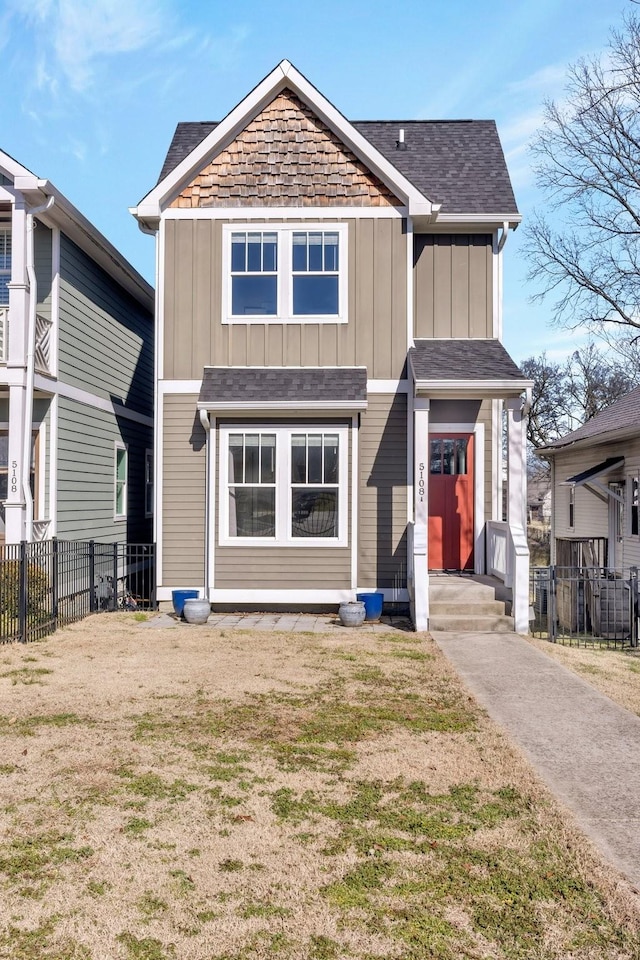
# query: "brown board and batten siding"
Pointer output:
{"type": "Point", "coordinates": [375, 335]}
{"type": "Point", "coordinates": [453, 285]}
{"type": "Point", "coordinates": [382, 493]}
{"type": "Point", "coordinates": [282, 568]}
{"type": "Point", "coordinates": [183, 473]}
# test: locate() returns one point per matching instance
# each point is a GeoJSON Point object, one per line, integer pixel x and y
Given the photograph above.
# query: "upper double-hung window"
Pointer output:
{"type": "Point", "coordinates": [295, 274]}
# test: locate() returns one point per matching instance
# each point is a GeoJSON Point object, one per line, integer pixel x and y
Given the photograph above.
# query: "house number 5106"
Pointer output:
{"type": "Point", "coordinates": [421, 482]}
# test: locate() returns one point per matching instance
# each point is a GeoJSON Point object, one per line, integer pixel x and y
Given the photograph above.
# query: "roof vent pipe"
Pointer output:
{"type": "Point", "coordinates": [400, 143]}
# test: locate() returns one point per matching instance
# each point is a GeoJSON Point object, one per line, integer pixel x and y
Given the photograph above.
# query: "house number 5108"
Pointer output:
{"type": "Point", "coordinates": [421, 482]}
{"type": "Point", "coordinates": [14, 477]}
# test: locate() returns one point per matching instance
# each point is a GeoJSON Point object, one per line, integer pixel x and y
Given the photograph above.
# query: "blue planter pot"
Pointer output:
{"type": "Point", "coordinates": [372, 605]}
{"type": "Point", "coordinates": [179, 596]}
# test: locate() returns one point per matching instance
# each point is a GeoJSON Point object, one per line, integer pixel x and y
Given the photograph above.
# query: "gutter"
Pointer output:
{"type": "Point", "coordinates": [30, 374]}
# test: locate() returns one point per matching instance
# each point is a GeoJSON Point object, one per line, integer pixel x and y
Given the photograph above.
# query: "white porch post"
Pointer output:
{"type": "Point", "coordinates": [18, 314]}
{"type": "Point", "coordinates": [421, 512]}
{"type": "Point", "coordinates": [517, 511]}
{"type": "Point", "coordinates": [516, 464]}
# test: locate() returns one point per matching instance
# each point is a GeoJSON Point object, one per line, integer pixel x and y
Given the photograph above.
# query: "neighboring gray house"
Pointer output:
{"type": "Point", "coordinates": [330, 373]}
{"type": "Point", "coordinates": [595, 478]}
{"type": "Point", "coordinates": [76, 374]}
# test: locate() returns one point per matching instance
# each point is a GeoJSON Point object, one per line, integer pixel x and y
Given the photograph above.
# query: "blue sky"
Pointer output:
{"type": "Point", "coordinates": [94, 89]}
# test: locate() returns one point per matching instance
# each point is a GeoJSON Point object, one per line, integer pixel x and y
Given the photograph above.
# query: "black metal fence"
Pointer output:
{"type": "Point", "coordinates": [580, 606]}
{"type": "Point", "coordinates": [49, 584]}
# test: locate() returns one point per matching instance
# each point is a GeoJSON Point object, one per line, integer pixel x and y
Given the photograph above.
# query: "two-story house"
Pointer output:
{"type": "Point", "coordinates": [330, 374]}
{"type": "Point", "coordinates": [76, 374]}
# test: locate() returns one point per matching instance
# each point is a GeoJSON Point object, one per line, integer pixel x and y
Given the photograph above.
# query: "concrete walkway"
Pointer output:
{"type": "Point", "coordinates": [585, 747]}
{"type": "Point", "coordinates": [281, 622]}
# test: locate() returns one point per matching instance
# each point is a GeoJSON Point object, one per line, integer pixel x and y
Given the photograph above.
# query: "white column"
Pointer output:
{"type": "Point", "coordinates": [18, 322]}
{"type": "Point", "coordinates": [421, 512]}
{"type": "Point", "coordinates": [516, 464]}
{"type": "Point", "coordinates": [517, 512]}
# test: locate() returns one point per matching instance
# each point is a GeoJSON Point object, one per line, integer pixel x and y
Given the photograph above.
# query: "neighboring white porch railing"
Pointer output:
{"type": "Point", "coordinates": [4, 333]}
{"type": "Point", "coordinates": [42, 350]}
{"type": "Point", "coordinates": [508, 559]}
{"type": "Point", "coordinates": [40, 529]}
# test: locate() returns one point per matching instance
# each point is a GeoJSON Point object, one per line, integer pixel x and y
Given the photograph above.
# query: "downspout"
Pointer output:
{"type": "Point", "coordinates": [206, 423]}
{"type": "Point", "coordinates": [505, 234]}
{"type": "Point", "coordinates": [31, 347]}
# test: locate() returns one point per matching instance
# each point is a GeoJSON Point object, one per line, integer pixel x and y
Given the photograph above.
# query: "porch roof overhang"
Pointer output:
{"type": "Point", "coordinates": [605, 466]}
{"type": "Point", "coordinates": [465, 368]}
{"type": "Point", "coordinates": [260, 390]}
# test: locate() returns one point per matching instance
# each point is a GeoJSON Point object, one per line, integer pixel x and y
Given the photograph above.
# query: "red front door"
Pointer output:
{"type": "Point", "coordinates": [451, 493]}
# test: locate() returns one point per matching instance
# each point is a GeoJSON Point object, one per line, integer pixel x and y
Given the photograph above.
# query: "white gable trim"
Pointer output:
{"type": "Point", "coordinates": [284, 75]}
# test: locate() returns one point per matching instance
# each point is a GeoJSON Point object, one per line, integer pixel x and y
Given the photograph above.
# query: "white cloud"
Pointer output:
{"type": "Point", "coordinates": [72, 36]}
{"type": "Point", "coordinates": [548, 80]}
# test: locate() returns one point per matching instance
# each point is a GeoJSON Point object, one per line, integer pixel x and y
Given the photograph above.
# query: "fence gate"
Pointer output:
{"type": "Point", "coordinates": [584, 605]}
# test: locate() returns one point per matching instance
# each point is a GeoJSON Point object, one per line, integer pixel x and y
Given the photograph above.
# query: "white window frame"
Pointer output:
{"type": "Point", "coordinates": [284, 486]}
{"type": "Point", "coordinates": [571, 517]}
{"type": "Point", "coordinates": [148, 483]}
{"type": "Point", "coordinates": [632, 479]}
{"type": "Point", "coordinates": [117, 448]}
{"type": "Point", "coordinates": [284, 233]}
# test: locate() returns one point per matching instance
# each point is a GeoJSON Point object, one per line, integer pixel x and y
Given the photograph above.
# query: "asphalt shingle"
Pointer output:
{"type": "Point", "coordinates": [265, 385]}
{"type": "Point", "coordinates": [457, 163]}
{"type": "Point", "coordinates": [463, 360]}
{"type": "Point", "coordinates": [621, 415]}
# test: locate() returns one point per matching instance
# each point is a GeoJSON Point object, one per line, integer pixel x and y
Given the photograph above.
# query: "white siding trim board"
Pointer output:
{"type": "Point", "coordinates": [62, 389]}
{"type": "Point", "coordinates": [310, 597]}
{"type": "Point", "coordinates": [294, 214]}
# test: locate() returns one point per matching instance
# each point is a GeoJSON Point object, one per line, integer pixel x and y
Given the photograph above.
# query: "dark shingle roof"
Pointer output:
{"type": "Point", "coordinates": [262, 386]}
{"type": "Point", "coordinates": [186, 138]}
{"type": "Point", "coordinates": [458, 163]}
{"type": "Point", "coordinates": [463, 360]}
{"type": "Point", "coordinates": [624, 414]}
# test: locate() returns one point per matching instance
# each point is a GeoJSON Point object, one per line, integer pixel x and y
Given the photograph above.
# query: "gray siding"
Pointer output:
{"type": "Point", "coordinates": [453, 285]}
{"type": "Point", "coordinates": [183, 472]}
{"type": "Point", "coordinates": [105, 336]}
{"type": "Point", "coordinates": [375, 335]}
{"type": "Point", "coordinates": [42, 249]}
{"type": "Point", "coordinates": [382, 522]}
{"type": "Point", "coordinates": [85, 490]}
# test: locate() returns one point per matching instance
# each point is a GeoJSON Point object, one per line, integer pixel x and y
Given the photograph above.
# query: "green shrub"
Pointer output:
{"type": "Point", "coordinates": [37, 590]}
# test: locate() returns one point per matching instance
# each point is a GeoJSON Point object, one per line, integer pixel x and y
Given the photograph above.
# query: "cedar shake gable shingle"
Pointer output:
{"type": "Point", "coordinates": [463, 360]}
{"type": "Point", "coordinates": [624, 414]}
{"type": "Point", "coordinates": [285, 156]}
{"type": "Point", "coordinates": [265, 386]}
{"type": "Point", "coordinates": [457, 163]}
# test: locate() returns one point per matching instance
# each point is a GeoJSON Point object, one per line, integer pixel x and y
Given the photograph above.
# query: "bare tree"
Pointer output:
{"type": "Point", "coordinates": [566, 395]}
{"type": "Point", "coordinates": [585, 251]}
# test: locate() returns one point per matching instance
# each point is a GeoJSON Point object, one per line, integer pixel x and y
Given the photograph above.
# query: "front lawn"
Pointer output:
{"type": "Point", "coordinates": [227, 795]}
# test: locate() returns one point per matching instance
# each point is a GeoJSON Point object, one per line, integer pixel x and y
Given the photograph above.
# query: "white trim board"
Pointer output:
{"type": "Point", "coordinates": [293, 214]}
{"type": "Point", "coordinates": [193, 386]}
{"type": "Point", "coordinates": [311, 597]}
{"type": "Point", "coordinates": [61, 389]}
{"type": "Point", "coordinates": [283, 76]}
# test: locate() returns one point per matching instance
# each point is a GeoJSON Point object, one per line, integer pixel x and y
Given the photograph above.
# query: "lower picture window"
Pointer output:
{"type": "Point", "coordinates": [284, 485]}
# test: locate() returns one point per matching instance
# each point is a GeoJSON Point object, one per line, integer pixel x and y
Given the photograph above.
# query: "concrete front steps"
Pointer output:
{"type": "Point", "coordinates": [467, 604]}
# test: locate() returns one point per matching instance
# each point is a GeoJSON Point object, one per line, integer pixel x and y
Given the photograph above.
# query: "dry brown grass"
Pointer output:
{"type": "Point", "coordinates": [614, 672]}
{"type": "Point", "coordinates": [206, 794]}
